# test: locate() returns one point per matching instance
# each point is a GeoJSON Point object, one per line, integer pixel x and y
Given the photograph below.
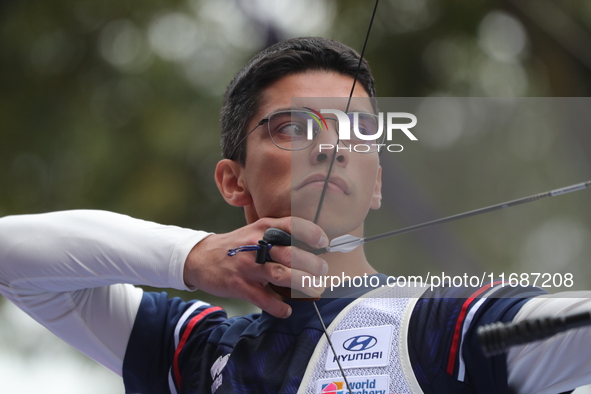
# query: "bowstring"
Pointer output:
{"type": "Point", "coordinates": [325, 186]}
{"type": "Point", "coordinates": [334, 152]}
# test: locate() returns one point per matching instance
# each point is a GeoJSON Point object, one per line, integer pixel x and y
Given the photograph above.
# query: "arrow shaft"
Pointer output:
{"type": "Point", "coordinates": [496, 207]}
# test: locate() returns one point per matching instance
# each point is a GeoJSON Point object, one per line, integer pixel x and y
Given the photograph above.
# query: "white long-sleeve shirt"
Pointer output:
{"type": "Point", "coordinates": [74, 272]}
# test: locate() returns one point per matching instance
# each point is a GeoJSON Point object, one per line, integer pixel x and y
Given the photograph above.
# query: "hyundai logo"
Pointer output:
{"type": "Point", "coordinates": [360, 342]}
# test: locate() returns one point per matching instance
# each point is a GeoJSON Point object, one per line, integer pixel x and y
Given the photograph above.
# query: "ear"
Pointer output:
{"type": "Point", "coordinates": [376, 199]}
{"type": "Point", "coordinates": [228, 177]}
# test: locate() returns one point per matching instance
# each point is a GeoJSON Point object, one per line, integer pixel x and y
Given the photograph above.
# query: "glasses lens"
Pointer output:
{"type": "Point", "coordinates": [296, 130]}
{"type": "Point", "coordinates": [293, 130]}
{"type": "Point", "coordinates": [366, 132]}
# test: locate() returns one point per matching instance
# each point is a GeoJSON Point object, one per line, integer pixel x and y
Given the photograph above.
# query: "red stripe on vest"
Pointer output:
{"type": "Point", "coordinates": [451, 362]}
{"type": "Point", "coordinates": [188, 330]}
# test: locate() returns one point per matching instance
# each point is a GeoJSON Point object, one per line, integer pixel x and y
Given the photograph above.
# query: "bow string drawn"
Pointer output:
{"type": "Point", "coordinates": [326, 182]}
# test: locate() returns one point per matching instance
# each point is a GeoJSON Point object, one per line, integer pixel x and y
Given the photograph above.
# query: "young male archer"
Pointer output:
{"type": "Point", "coordinates": [72, 270]}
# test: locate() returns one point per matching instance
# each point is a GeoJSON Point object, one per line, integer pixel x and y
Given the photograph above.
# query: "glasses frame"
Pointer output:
{"type": "Point", "coordinates": [267, 119]}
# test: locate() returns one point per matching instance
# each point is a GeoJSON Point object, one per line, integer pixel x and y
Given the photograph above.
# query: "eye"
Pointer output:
{"type": "Point", "coordinates": [291, 125]}
{"type": "Point", "coordinates": [291, 130]}
{"type": "Point", "coordinates": [362, 129]}
{"type": "Point", "coordinates": [366, 124]}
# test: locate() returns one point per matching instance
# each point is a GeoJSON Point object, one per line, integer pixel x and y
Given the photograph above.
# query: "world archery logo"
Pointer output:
{"type": "Point", "coordinates": [360, 343]}
{"type": "Point", "coordinates": [375, 384]}
{"type": "Point", "coordinates": [333, 388]}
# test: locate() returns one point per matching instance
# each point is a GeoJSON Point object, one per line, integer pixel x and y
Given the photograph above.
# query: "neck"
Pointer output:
{"type": "Point", "coordinates": [351, 264]}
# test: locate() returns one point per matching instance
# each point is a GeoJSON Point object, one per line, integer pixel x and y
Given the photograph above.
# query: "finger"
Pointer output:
{"type": "Point", "coordinates": [283, 276]}
{"type": "Point", "coordinates": [297, 258]}
{"type": "Point", "coordinates": [269, 301]}
{"type": "Point", "coordinates": [303, 230]}
{"type": "Point", "coordinates": [310, 285]}
{"type": "Point", "coordinates": [308, 232]}
{"type": "Point", "coordinates": [276, 273]}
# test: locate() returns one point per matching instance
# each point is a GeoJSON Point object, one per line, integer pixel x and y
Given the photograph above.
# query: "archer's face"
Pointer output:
{"type": "Point", "coordinates": [289, 183]}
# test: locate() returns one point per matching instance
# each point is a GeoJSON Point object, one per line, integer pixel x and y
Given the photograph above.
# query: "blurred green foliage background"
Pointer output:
{"type": "Point", "coordinates": [114, 105]}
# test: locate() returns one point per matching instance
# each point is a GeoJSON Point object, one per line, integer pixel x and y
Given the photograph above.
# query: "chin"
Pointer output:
{"type": "Point", "coordinates": [334, 230]}
{"type": "Point", "coordinates": [340, 214]}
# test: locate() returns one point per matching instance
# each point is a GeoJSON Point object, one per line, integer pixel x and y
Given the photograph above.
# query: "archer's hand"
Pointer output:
{"type": "Point", "coordinates": [209, 268]}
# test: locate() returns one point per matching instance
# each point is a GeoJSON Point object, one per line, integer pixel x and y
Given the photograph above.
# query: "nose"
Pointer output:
{"type": "Point", "coordinates": [326, 144]}
{"type": "Point", "coordinates": [322, 156]}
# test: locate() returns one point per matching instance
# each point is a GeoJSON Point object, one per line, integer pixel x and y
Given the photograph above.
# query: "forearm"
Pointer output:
{"type": "Point", "coordinates": [65, 270]}
{"type": "Point", "coordinates": [72, 250]}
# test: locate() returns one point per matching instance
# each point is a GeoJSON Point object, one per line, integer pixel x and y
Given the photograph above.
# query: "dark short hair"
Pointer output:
{"type": "Point", "coordinates": [293, 56]}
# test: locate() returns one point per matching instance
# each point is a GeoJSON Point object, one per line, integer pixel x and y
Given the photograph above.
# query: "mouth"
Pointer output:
{"type": "Point", "coordinates": [334, 183]}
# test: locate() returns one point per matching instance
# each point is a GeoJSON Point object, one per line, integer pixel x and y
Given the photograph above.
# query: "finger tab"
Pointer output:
{"type": "Point", "coordinates": [275, 236]}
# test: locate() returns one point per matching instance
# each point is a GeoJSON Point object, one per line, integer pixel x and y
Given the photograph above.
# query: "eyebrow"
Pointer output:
{"type": "Point", "coordinates": [304, 109]}
{"type": "Point", "coordinates": [284, 109]}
